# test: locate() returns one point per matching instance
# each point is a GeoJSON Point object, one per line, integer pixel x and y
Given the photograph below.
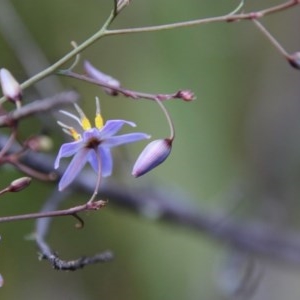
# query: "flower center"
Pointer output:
{"type": "Point", "coordinates": [93, 143]}
{"type": "Point", "coordinates": [84, 122]}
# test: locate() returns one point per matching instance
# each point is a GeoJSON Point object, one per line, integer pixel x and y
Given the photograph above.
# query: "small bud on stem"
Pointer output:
{"type": "Point", "coordinates": [185, 95]}
{"type": "Point", "coordinates": [10, 87]}
{"type": "Point", "coordinates": [294, 60]}
{"type": "Point", "coordinates": [39, 143]}
{"type": "Point", "coordinates": [19, 184]}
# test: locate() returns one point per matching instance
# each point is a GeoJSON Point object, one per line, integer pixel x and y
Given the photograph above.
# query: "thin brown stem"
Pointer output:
{"type": "Point", "coordinates": [12, 159]}
{"type": "Point", "coordinates": [184, 95]}
{"type": "Point", "coordinates": [64, 212]}
{"type": "Point", "coordinates": [10, 141]}
{"type": "Point", "coordinates": [4, 191]}
{"type": "Point", "coordinates": [39, 106]}
{"type": "Point", "coordinates": [271, 38]}
{"type": "Point", "coordinates": [168, 117]}
{"type": "Point", "coordinates": [223, 18]}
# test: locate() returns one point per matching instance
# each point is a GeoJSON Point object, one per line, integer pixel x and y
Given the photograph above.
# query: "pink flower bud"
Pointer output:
{"type": "Point", "coordinates": [152, 156]}
{"type": "Point", "coordinates": [19, 184]}
{"type": "Point", "coordinates": [185, 95]}
{"type": "Point", "coordinates": [39, 143]}
{"type": "Point", "coordinates": [10, 87]}
{"type": "Point", "coordinates": [101, 77]}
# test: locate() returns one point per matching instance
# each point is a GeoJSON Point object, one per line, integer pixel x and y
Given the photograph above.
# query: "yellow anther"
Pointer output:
{"type": "Point", "coordinates": [98, 118]}
{"type": "Point", "coordinates": [85, 123]}
{"type": "Point", "coordinates": [76, 136]}
{"type": "Point", "coordinates": [98, 121]}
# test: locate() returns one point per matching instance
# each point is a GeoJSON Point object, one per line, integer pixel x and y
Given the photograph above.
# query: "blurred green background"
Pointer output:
{"type": "Point", "coordinates": [236, 146]}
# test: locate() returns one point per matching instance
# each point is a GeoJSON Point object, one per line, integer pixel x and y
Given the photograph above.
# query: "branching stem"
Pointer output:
{"type": "Point", "coordinates": [105, 32]}
{"type": "Point", "coordinates": [63, 212]}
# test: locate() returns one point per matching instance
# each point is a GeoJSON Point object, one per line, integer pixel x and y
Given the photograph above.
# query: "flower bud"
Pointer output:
{"type": "Point", "coordinates": [152, 156]}
{"type": "Point", "coordinates": [101, 77]}
{"type": "Point", "coordinates": [19, 184]}
{"type": "Point", "coordinates": [10, 87]}
{"type": "Point", "coordinates": [185, 95]}
{"type": "Point", "coordinates": [39, 143]}
{"type": "Point", "coordinates": [294, 60]}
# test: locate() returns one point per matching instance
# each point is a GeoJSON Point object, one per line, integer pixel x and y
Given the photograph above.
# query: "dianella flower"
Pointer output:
{"type": "Point", "coordinates": [92, 145]}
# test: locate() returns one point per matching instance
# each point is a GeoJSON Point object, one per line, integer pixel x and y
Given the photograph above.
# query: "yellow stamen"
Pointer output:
{"type": "Point", "coordinates": [76, 136]}
{"type": "Point", "coordinates": [85, 123]}
{"type": "Point", "coordinates": [70, 131]}
{"type": "Point", "coordinates": [98, 118]}
{"type": "Point", "coordinates": [98, 121]}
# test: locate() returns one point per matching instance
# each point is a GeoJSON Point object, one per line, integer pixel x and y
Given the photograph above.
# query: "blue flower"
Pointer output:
{"type": "Point", "coordinates": [93, 145]}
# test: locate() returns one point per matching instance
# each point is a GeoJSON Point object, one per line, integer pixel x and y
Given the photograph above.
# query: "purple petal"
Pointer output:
{"type": "Point", "coordinates": [125, 139]}
{"type": "Point", "coordinates": [100, 76]}
{"type": "Point", "coordinates": [67, 150]}
{"type": "Point", "coordinates": [106, 161]}
{"type": "Point", "coordinates": [111, 127]}
{"type": "Point", "coordinates": [93, 160]}
{"type": "Point", "coordinates": [152, 156]}
{"type": "Point", "coordinates": [75, 166]}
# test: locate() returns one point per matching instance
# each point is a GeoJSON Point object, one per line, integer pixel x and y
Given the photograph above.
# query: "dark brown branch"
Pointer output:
{"type": "Point", "coordinates": [253, 237]}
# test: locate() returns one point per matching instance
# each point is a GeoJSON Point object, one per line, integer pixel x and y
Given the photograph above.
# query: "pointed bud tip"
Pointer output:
{"type": "Point", "coordinates": [10, 87]}
{"type": "Point", "coordinates": [185, 95]}
{"type": "Point", "coordinates": [294, 60]}
{"type": "Point", "coordinates": [153, 155]}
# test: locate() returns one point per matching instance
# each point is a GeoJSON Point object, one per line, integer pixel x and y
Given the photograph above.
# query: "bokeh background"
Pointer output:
{"type": "Point", "coordinates": [236, 150]}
